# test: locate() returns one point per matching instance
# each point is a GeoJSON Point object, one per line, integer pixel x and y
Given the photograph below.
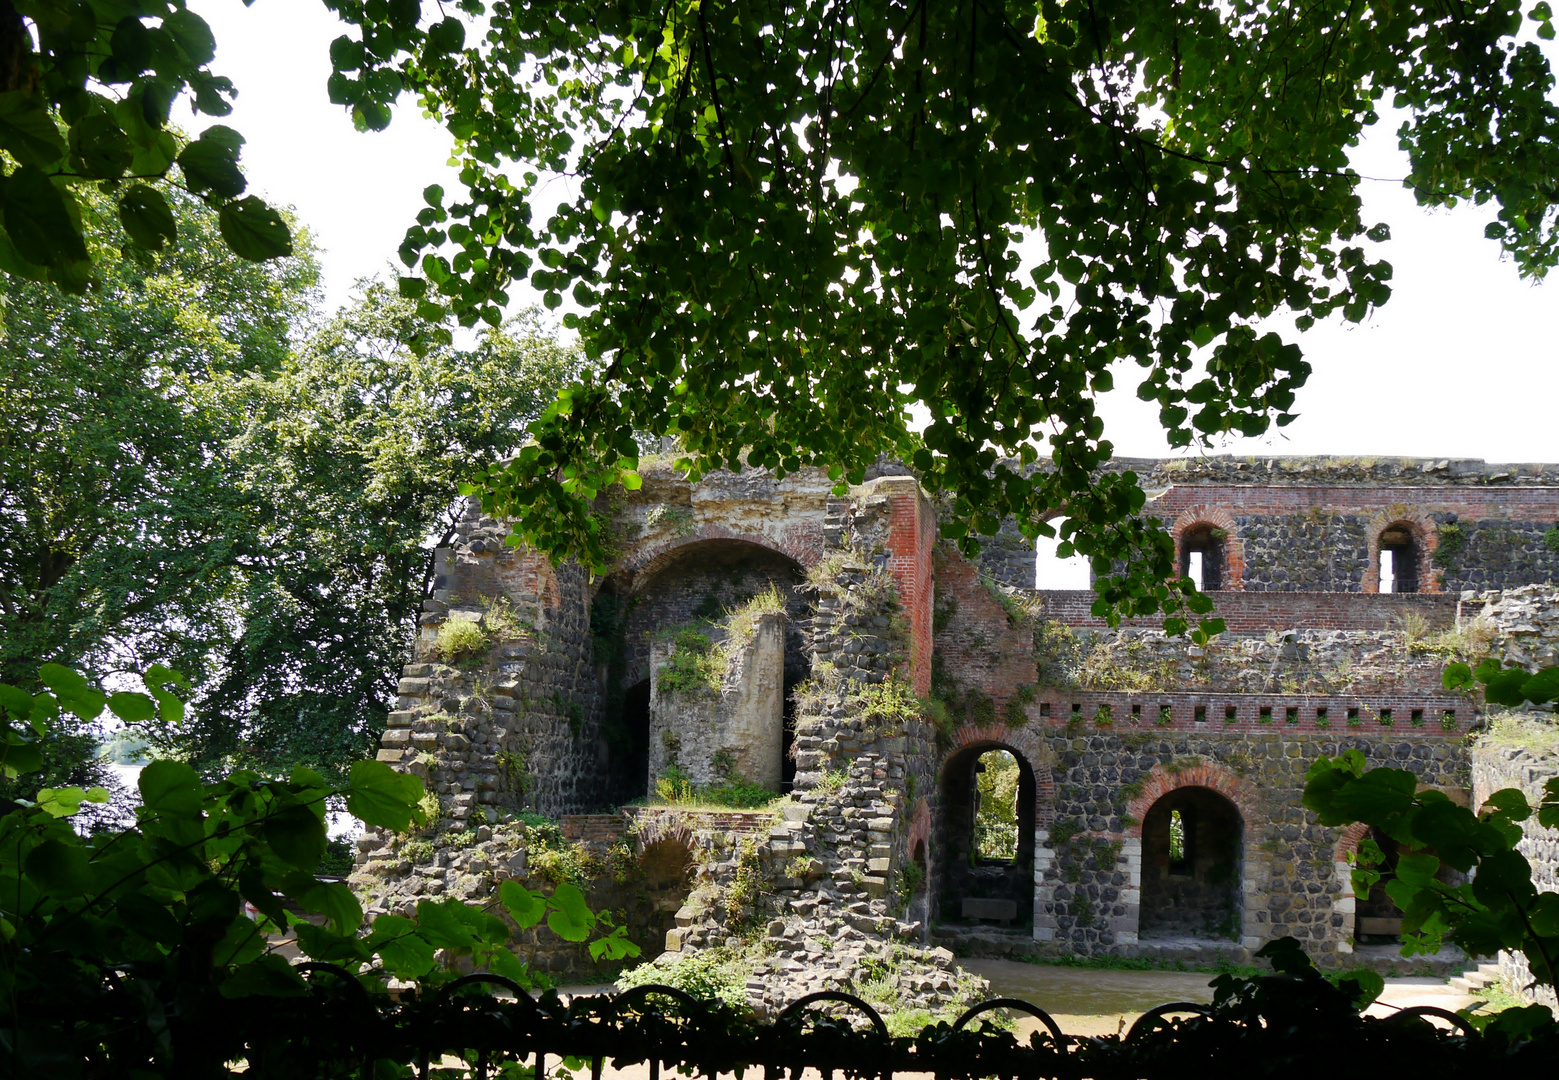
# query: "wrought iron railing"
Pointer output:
{"type": "Point", "coordinates": [487, 1027]}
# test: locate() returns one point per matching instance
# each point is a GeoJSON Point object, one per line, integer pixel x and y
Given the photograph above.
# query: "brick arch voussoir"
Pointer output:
{"type": "Point", "coordinates": [1423, 526]}
{"type": "Point", "coordinates": [653, 827]}
{"type": "Point", "coordinates": [1233, 543]}
{"type": "Point", "coordinates": [1001, 737]}
{"type": "Point", "coordinates": [796, 545]}
{"type": "Point", "coordinates": [1208, 774]}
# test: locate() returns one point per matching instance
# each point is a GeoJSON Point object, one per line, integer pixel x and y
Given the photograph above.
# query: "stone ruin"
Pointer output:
{"type": "Point", "coordinates": [762, 634]}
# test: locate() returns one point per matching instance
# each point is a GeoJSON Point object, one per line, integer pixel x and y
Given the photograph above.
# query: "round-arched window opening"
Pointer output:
{"type": "Point", "coordinates": [1202, 556]}
{"type": "Point", "coordinates": [1192, 852]}
{"type": "Point", "coordinates": [1398, 559]}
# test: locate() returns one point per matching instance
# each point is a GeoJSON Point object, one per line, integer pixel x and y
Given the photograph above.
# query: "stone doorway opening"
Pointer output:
{"type": "Point", "coordinates": [986, 835]}
{"type": "Point", "coordinates": [667, 866]}
{"type": "Point", "coordinates": [1192, 846]}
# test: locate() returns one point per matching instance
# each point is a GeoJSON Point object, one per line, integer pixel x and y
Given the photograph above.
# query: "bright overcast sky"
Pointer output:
{"type": "Point", "coordinates": [1460, 363]}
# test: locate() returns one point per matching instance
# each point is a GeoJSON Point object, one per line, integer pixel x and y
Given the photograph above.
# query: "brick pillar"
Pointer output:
{"type": "Point", "coordinates": [912, 533]}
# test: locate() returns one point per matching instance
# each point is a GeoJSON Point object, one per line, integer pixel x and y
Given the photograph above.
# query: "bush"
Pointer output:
{"type": "Point", "coordinates": [460, 639]}
{"type": "Point", "coordinates": [719, 974]}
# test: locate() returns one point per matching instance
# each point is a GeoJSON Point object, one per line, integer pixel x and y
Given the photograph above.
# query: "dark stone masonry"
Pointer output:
{"type": "Point", "coordinates": [1156, 794]}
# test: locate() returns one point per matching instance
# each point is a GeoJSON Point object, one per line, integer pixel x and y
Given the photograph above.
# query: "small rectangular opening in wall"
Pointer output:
{"type": "Point", "coordinates": [1291, 715]}
{"type": "Point", "coordinates": [1136, 712]}
{"type": "Point", "coordinates": [1230, 714]}
{"type": "Point", "coordinates": [1077, 708]}
{"type": "Point", "coordinates": [1266, 715]}
{"type": "Point", "coordinates": [1353, 716]}
{"type": "Point", "coordinates": [1320, 718]}
{"type": "Point", "coordinates": [1448, 719]}
{"type": "Point", "coordinates": [1044, 708]}
{"type": "Point", "coordinates": [1200, 714]}
{"type": "Point", "coordinates": [1416, 717]}
{"type": "Point", "coordinates": [1166, 716]}
{"type": "Point", "coordinates": [1385, 718]}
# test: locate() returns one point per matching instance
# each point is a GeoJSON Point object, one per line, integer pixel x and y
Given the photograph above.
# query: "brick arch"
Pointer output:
{"type": "Point", "coordinates": [1208, 774]}
{"type": "Point", "coordinates": [654, 826]}
{"type": "Point", "coordinates": [1422, 525]}
{"type": "Point", "coordinates": [1012, 740]}
{"type": "Point", "coordinates": [798, 545]}
{"type": "Point", "coordinates": [1233, 543]}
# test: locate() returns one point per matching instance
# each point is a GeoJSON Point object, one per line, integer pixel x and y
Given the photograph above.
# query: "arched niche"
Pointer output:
{"type": "Point", "coordinates": [1208, 548]}
{"type": "Point", "coordinates": [986, 862]}
{"type": "Point", "coordinates": [1402, 542]}
{"type": "Point", "coordinates": [1192, 866]}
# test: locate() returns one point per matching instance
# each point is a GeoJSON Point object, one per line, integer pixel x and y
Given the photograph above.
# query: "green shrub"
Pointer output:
{"type": "Point", "coordinates": [719, 973]}
{"type": "Point", "coordinates": [694, 667]}
{"type": "Point", "coordinates": [460, 640]}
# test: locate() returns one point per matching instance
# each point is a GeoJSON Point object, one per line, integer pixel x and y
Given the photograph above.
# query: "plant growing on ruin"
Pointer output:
{"type": "Point", "coordinates": [695, 666]}
{"type": "Point", "coordinates": [831, 781]}
{"type": "Point", "coordinates": [1452, 540]}
{"type": "Point", "coordinates": [502, 620]}
{"type": "Point", "coordinates": [460, 641]}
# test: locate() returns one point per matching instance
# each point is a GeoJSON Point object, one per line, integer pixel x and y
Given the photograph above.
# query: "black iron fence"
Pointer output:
{"type": "Point", "coordinates": [484, 1026]}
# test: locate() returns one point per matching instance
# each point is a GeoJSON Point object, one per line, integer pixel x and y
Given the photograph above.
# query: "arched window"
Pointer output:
{"type": "Point", "coordinates": [1191, 866]}
{"type": "Point", "coordinates": [1202, 556]}
{"type": "Point", "coordinates": [985, 837]}
{"type": "Point", "coordinates": [1399, 554]}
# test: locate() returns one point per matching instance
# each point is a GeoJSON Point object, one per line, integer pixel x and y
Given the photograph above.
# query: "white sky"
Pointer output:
{"type": "Point", "coordinates": [1460, 363]}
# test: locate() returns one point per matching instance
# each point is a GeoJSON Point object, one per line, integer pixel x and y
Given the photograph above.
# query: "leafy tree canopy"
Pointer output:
{"type": "Point", "coordinates": [181, 483]}
{"type": "Point", "coordinates": [795, 221]}
{"type": "Point", "coordinates": [86, 91]}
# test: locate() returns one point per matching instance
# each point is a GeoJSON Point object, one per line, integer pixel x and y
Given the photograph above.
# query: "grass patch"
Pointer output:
{"type": "Point", "coordinates": [1144, 963]}
{"type": "Point", "coordinates": [1519, 731]}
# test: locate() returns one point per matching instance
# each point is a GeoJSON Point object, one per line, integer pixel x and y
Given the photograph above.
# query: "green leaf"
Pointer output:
{"type": "Point", "coordinates": [405, 954]}
{"type": "Point", "coordinates": [570, 918]}
{"type": "Point", "coordinates": [132, 707]}
{"type": "Point", "coordinates": [380, 796]}
{"type": "Point", "coordinates": [20, 757]}
{"type": "Point", "coordinates": [61, 802]}
{"type": "Point", "coordinates": [524, 906]}
{"type": "Point", "coordinates": [1363, 986]}
{"type": "Point", "coordinates": [27, 132]}
{"type": "Point", "coordinates": [147, 218]}
{"type": "Point", "coordinates": [505, 963]}
{"type": "Point", "coordinates": [72, 691]}
{"type": "Point", "coordinates": [210, 163]}
{"type": "Point", "coordinates": [59, 869]}
{"type": "Point", "coordinates": [254, 231]}
{"type": "Point", "coordinates": [16, 702]}
{"type": "Point", "coordinates": [268, 976]}
{"type": "Point", "coordinates": [1505, 688]}
{"type": "Point", "coordinates": [1542, 687]}
{"type": "Point", "coordinates": [98, 147]}
{"type": "Point", "coordinates": [332, 899]}
{"type": "Point", "coordinates": [1455, 676]}
{"type": "Point", "coordinates": [192, 35]}
{"type": "Point", "coordinates": [297, 836]}
{"type": "Point", "coordinates": [170, 788]}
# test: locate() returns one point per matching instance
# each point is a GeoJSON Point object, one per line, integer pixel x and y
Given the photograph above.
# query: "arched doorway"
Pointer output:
{"type": "Point", "coordinates": [667, 866]}
{"type": "Point", "coordinates": [986, 833]}
{"type": "Point", "coordinates": [1192, 853]}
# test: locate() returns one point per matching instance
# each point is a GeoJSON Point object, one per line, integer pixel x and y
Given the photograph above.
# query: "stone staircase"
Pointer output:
{"type": "Point", "coordinates": [1472, 981]}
